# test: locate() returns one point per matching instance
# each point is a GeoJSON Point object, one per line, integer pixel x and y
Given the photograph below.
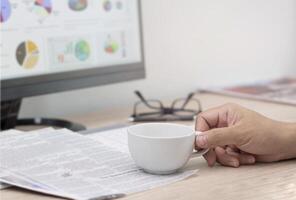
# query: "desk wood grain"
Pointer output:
{"type": "Point", "coordinates": [260, 181]}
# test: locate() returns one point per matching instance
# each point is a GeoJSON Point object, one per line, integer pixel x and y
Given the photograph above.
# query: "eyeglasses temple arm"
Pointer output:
{"type": "Point", "coordinates": [138, 93]}
{"type": "Point", "coordinates": [187, 100]}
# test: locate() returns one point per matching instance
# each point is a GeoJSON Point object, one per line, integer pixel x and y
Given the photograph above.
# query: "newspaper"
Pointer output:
{"type": "Point", "coordinates": [9, 133]}
{"type": "Point", "coordinates": [115, 138]}
{"type": "Point", "coordinates": [282, 90]}
{"type": "Point", "coordinates": [66, 164]}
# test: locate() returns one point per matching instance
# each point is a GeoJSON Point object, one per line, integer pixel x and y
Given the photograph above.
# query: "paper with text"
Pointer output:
{"type": "Point", "coordinates": [8, 133]}
{"type": "Point", "coordinates": [63, 163]}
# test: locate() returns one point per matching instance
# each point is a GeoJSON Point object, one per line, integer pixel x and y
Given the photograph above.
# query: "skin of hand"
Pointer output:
{"type": "Point", "coordinates": [238, 136]}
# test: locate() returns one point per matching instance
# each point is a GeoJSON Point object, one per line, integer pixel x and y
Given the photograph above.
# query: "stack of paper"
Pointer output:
{"type": "Point", "coordinates": [281, 90]}
{"type": "Point", "coordinates": [67, 164]}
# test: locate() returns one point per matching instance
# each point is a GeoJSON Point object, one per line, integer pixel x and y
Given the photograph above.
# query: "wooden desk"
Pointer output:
{"type": "Point", "coordinates": [260, 181]}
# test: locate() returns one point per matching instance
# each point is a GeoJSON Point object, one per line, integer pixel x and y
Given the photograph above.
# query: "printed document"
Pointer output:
{"type": "Point", "coordinates": [282, 90]}
{"type": "Point", "coordinates": [67, 164]}
{"type": "Point", "coordinates": [10, 133]}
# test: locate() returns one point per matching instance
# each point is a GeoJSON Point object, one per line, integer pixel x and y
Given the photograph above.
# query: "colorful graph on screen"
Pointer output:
{"type": "Point", "coordinates": [27, 54]}
{"type": "Point", "coordinates": [114, 46]}
{"type": "Point", "coordinates": [53, 36]}
{"type": "Point", "coordinates": [107, 5]}
{"type": "Point", "coordinates": [111, 46]}
{"type": "Point", "coordinates": [63, 52]}
{"type": "Point", "coordinates": [77, 5]}
{"type": "Point", "coordinates": [82, 50]}
{"type": "Point", "coordinates": [66, 51]}
{"type": "Point", "coordinates": [113, 5]}
{"type": "Point", "coordinates": [5, 11]}
{"type": "Point", "coordinates": [42, 8]}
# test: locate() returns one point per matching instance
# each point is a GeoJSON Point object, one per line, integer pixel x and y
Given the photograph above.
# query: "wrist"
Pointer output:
{"type": "Point", "coordinates": [288, 131]}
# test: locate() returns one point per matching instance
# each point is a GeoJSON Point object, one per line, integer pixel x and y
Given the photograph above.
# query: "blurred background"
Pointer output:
{"type": "Point", "coordinates": [191, 44]}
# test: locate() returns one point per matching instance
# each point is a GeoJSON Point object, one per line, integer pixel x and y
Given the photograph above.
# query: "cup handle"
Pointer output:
{"type": "Point", "coordinates": [201, 152]}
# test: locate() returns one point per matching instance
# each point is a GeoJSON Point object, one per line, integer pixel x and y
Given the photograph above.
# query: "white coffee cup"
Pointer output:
{"type": "Point", "coordinates": [162, 148]}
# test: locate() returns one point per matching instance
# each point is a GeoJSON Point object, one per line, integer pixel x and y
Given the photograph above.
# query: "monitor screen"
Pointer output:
{"type": "Point", "coordinates": [56, 40]}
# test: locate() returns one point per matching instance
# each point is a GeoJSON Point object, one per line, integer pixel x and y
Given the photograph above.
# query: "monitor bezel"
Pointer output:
{"type": "Point", "coordinates": [18, 88]}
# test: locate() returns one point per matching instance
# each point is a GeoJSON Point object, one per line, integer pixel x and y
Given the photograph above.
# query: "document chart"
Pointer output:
{"type": "Point", "coordinates": [53, 36]}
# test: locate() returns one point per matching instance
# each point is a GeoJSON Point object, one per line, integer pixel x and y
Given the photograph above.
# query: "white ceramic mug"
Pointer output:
{"type": "Point", "coordinates": [162, 148]}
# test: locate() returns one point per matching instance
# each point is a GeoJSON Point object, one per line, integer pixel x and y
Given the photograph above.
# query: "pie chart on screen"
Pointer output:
{"type": "Point", "coordinates": [5, 11]}
{"type": "Point", "coordinates": [42, 8]}
{"type": "Point", "coordinates": [111, 46]}
{"type": "Point", "coordinates": [107, 5]}
{"type": "Point", "coordinates": [82, 50]}
{"type": "Point", "coordinates": [27, 54]}
{"type": "Point", "coordinates": [77, 5]}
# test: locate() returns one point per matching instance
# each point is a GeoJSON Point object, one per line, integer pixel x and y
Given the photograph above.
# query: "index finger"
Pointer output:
{"type": "Point", "coordinates": [212, 118]}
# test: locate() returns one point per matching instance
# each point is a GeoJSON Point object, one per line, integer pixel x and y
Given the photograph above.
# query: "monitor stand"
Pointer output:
{"type": "Point", "coordinates": [9, 118]}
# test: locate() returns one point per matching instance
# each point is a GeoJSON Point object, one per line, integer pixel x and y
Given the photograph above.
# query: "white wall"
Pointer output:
{"type": "Point", "coordinates": [192, 43]}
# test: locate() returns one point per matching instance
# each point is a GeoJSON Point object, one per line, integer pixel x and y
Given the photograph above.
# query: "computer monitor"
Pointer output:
{"type": "Point", "coordinates": [50, 46]}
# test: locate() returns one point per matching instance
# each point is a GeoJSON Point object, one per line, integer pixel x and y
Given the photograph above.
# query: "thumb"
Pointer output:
{"type": "Point", "coordinates": [216, 137]}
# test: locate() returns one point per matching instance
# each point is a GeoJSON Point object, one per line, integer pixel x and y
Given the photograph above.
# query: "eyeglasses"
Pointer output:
{"type": "Point", "coordinates": [183, 109]}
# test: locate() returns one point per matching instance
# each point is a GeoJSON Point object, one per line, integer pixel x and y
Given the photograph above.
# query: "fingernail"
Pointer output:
{"type": "Point", "coordinates": [234, 163]}
{"type": "Point", "coordinates": [201, 141]}
{"type": "Point", "coordinates": [211, 165]}
{"type": "Point", "coordinates": [251, 160]}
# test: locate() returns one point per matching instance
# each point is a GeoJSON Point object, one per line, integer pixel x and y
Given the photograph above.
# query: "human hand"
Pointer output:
{"type": "Point", "coordinates": [238, 136]}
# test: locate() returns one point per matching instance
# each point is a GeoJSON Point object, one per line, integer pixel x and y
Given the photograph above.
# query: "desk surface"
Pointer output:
{"type": "Point", "coordinates": [260, 181]}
